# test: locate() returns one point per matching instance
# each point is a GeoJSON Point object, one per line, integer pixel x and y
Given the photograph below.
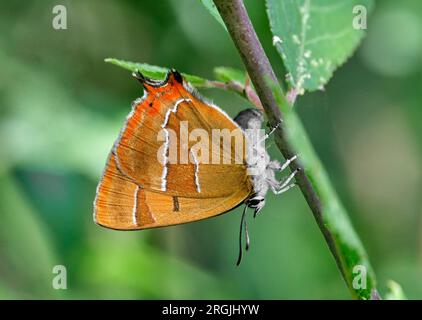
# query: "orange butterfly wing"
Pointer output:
{"type": "Point", "coordinates": [138, 191]}
{"type": "Point", "coordinates": [141, 143]}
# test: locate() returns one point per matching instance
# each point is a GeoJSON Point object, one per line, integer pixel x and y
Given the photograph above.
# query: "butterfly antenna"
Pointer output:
{"type": "Point", "coordinates": [242, 226]}
{"type": "Point", "coordinates": [248, 242]}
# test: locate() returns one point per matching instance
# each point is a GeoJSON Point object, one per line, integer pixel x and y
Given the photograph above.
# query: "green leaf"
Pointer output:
{"type": "Point", "coordinates": [156, 72]}
{"type": "Point", "coordinates": [314, 37]}
{"type": "Point", "coordinates": [227, 74]}
{"type": "Point", "coordinates": [209, 4]}
{"type": "Point", "coordinates": [223, 74]}
{"type": "Point", "coordinates": [395, 291]}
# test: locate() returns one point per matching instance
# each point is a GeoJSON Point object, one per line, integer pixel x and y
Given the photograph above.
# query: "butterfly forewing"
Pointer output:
{"type": "Point", "coordinates": [157, 175]}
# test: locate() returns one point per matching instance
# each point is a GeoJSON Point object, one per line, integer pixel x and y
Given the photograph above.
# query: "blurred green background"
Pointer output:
{"type": "Point", "coordinates": [61, 108]}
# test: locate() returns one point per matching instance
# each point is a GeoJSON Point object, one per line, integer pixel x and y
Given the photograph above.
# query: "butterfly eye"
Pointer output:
{"type": "Point", "coordinates": [255, 201]}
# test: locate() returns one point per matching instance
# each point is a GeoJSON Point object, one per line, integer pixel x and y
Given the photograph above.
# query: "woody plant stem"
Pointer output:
{"type": "Point", "coordinates": [327, 210]}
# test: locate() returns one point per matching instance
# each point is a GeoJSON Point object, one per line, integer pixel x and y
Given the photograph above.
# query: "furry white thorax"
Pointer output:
{"type": "Point", "coordinates": [261, 167]}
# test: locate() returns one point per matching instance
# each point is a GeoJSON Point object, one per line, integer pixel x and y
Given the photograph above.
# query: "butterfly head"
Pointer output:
{"type": "Point", "coordinates": [256, 202]}
{"type": "Point", "coordinates": [250, 119]}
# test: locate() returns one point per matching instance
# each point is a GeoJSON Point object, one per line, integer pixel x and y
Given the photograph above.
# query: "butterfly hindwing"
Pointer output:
{"type": "Point", "coordinates": [122, 204]}
{"type": "Point", "coordinates": [115, 204]}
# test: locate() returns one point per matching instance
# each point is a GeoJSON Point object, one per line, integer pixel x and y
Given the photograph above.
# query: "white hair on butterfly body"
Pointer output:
{"type": "Point", "coordinates": [263, 168]}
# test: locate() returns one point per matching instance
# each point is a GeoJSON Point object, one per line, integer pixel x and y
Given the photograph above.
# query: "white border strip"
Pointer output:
{"type": "Point", "coordinates": [135, 207]}
{"type": "Point", "coordinates": [167, 142]}
{"type": "Point", "coordinates": [195, 160]}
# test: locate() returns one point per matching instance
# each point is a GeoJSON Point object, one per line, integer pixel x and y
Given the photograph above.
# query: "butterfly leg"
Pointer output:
{"type": "Point", "coordinates": [268, 134]}
{"type": "Point", "coordinates": [283, 186]}
{"type": "Point", "coordinates": [282, 190]}
{"type": "Point", "coordinates": [275, 165]}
